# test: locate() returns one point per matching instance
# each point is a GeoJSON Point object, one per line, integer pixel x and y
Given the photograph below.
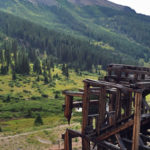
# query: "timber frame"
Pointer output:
{"type": "Point", "coordinates": [115, 114]}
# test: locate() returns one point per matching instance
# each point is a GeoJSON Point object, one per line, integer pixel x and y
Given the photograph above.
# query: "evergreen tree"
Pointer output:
{"type": "Point", "coordinates": [14, 50]}
{"type": "Point", "coordinates": [7, 56]}
{"type": "Point", "coordinates": [13, 75]}
{"type": "Point", "coordinates": [1, 129]}
{"type": "Point", "coordinates": [67, 72]}
{"type": "Point", "coordinates": [63, 69]}
{"type": "Point", "coordinates": [37, 66]}
{"type": "Point", "coordinates": [4, 70]}
{"type": "Point", "coordinates": [1, 57]}
{"type": "Point", "coordinates": [45, 77]}
{"type": "Point", "coordinates": [38, 120]}
{"type": "Point", "coordinates": [22, 64]}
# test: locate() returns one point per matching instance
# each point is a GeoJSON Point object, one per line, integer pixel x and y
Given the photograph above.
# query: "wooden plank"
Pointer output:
{"type": "Point", "coordinates": [109, 84]}
{"type": "Point", "coordinates": [137, 119]}
{"type": "Point", "coordinates": [73, 93]}
{"type": "Point", "coordinates": [85, 111]}
{"type": "Point", "coordinates": [120, 142]}
{"type": "Point", "coordinates": [131, 67]}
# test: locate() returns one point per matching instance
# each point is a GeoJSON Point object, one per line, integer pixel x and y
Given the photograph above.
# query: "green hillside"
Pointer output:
{"type": "Point", "coordinates": [123, 30]}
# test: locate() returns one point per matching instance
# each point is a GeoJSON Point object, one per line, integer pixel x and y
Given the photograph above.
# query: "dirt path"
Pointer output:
{"type": "Point", "coordinates": [32, 132]}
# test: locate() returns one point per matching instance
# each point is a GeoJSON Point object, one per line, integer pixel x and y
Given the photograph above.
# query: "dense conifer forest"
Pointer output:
{"type": "Point", "coordinates": [27, 41]}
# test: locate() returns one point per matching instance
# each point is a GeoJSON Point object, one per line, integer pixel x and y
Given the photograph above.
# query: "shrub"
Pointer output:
{"type": "Point", "coordinates": [45, 95]}
{"type": "Point", "coordinates": [1, 129]}
{"type": "Point", "coordinates": [38, 120]}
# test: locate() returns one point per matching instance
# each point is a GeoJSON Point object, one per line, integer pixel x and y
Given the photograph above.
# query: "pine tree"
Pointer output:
{"type": "Point", "coordinates": [67, 72]}
{"type": "Point", "coordinates": [37, 66]}
{"type": "Point", "coordinates": [14, 49]}
{"type": "Point", "coordinates": [45, 77]}
{"type": "Point", "coordinates": [13, 75]}
{"type": "Point", "coordinates": [38, 120]}
{"type": "Point", "coordinates": [22, 65]}
{"type": "Point", "coordinates": [1, 129]}
{"type": "Point", "coordinates": [63, 69]}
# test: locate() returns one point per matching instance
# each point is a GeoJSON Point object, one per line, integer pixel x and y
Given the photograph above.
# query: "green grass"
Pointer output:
{"type": "Point", "coordinates": [29, 97]}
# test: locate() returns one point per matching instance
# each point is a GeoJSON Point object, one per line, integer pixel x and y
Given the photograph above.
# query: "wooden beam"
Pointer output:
{"type": "Point", "coordinates": [109, 84]}
{"type": "Point", "coordinates": [73, 93]}
{"type": "Point", "coordinates": [85, 111]}
{"type": "Point", "coordinates": [79, 104]}
{"type": "Point", "coordinates": [137, 119]}
{"type": "Point", "coordinates": [120, 142]}
{"type": "Point", "coordinates": [68, 108]}
{"type": "Point", "coordinates": [68, 141]}
{"type": "Point", "coordinates": [108, 145]}
{"type": "Point", "coordinates": [129, 143]}
{"type": "Point", "coordinates": [115, 131]}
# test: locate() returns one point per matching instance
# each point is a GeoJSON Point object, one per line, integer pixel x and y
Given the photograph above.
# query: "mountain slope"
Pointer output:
{"type": "Point", "coordinates": [119, 27]}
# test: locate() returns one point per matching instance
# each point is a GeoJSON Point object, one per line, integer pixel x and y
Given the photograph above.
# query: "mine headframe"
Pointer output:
{"type": "Point", "coordinates": [115, 113]}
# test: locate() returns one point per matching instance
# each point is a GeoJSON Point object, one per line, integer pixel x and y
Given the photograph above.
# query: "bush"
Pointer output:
{"type": "Point", "coordinates": [29, 114]}
{"type": "Point", "coordinates": [1, 129]}
{"type": "Point", "coordinates": [38, 120]}
{"type": "Point", "coordinates": [56, 96]}
{"type": "Point", "coordinates": [45, 95]}
{"type": "Point", "coordinates": [7, 100]}
{"type": "Point", "coordinates": [35, 97]}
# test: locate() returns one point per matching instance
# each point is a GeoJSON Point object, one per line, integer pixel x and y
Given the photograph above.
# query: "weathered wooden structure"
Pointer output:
{"type": "Point", "coordinates": [115, 114]}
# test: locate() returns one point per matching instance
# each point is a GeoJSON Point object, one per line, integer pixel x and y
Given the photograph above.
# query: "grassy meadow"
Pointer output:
{"type": "Point", "coordinates": [21, 100]}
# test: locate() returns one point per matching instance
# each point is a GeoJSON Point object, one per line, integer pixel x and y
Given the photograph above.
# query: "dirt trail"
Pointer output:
{"type": "Point", "coordinates": [32, 132]}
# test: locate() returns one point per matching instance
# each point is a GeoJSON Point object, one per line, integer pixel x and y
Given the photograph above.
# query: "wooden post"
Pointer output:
{"type": "Point", "coordinates": [68, 141]}
{"type": "Point", "coordinates": [129, 104]}
{"type": "Point", "coordinates": [111, 108]}
{"type": "Point", "coordinates": [68, 107]}
{"type": "Point", "coordinates": [102, 109]}
{"type": "Point", "coordinates": [85, 109]}
{"type": "Point", "coordinates": [102, 112]}
{"type": "Point", "coordinates": [137, 121]}
{"type": "Point", "coordinates": [118, 105]}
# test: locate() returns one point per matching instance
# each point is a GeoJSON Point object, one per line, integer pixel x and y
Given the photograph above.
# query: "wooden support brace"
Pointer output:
{"type": "Point", "coordinates": [68, 141]}
{"type": "Point", "coordinates": [120, 142]}
{"type": "Point", "coordinates": [85, 111]}
{"type": "Point", "coordinates": [137, 120]}
{"type": "Point", "coordinates": [68, 107]}
{"type": "Point", "coordinates": [108, 145]}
